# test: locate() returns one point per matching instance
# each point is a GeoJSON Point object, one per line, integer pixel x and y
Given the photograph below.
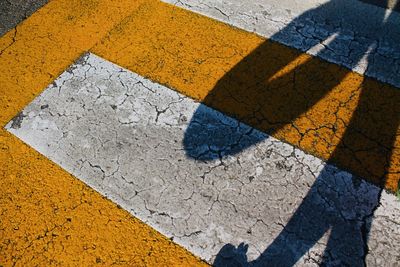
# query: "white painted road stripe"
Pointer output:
{"type": "Point", "coordinates": [362, 37]}
{"type": "Point", "coordinates": [204, 179]}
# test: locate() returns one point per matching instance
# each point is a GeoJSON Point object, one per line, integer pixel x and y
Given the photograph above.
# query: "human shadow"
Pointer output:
{"type": "Point", "coordinates": [270, 89]}
{"type": "Point", "coordinates": [391, 4]}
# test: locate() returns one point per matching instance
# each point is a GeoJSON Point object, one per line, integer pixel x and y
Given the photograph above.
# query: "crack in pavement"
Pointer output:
{"type": "Point", "coordinates": [149, 169]}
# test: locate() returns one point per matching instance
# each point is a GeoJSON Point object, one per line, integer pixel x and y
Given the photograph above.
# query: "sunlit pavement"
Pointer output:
{"type": "Point", "coordinates": [231, 133]}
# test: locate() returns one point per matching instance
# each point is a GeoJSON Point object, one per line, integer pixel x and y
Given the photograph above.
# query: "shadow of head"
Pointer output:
{"type": "Point", "coordinates": [211, 135]}
{"type": "Point", "coordinates": [232, 256]}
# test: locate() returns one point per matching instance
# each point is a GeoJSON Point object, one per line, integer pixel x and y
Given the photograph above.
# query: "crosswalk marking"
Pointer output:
{"type": "Point", "coordinates": [39, 49]}
{"type": "Point", "coordinates": [48, 216]}
{"type": "Point", "coordinates": [193, 55]}
{"type": "Point", "coordinates": [316, 27]}
{"type": "Point", "coordinates": [194, 174]}
{"type": "Point", "coordinates": [314, 105]}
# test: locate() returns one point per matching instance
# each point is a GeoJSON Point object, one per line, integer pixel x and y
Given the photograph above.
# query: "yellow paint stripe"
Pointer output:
{"type": "Point", "coordinates": [48, 217]}
{"type": "Point", "coordinates": [34, 53]}
{"type": "Point", "coordinates": [308, 102]}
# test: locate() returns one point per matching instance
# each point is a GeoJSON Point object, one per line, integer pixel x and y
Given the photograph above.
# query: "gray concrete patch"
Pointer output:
{"type": "Point", "coordinates": [13, 12]}
{"type": "Point", "coordinates": [362, 37]}
{"type": "Point", "coordinates": [247, 198]}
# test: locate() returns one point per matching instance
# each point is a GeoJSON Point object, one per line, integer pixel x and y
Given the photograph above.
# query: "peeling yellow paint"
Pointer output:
{"type": "Point", "coordinates": [324, 109]}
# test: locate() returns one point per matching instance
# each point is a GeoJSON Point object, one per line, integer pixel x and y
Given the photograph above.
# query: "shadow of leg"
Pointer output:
{"type": "Point", "coordinates": [330, 227]}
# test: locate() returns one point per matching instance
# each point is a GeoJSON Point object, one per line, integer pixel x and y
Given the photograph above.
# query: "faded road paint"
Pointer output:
{"type": "Point", "coordinates": [298, 98]}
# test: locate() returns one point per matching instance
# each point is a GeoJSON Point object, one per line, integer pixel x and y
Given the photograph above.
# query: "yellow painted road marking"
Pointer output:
{"type": "Point", "coordinates": [192, 54]}
{"type": "Point", "coordinates": [34, 53]}
{"type": "Point", "coordinates": [327, 110]}
{"type": "Point", "coordinates": [47, 216]}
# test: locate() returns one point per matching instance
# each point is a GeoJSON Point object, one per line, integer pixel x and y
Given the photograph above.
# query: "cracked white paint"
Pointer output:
{"type": "Point", "coordinates": [362, 37]}
{"type": "Point", "coordinates": [148, 149]}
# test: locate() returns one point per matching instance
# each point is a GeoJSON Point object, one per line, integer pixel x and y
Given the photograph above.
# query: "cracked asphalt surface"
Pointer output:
{"type": "Point", "coordinates": [251, 78]}
{"type": "Point", "coordinates": [13, 12]}
{"type": "Point", "coordinates": [122, 135]}
{"type": "Point", "coordinates": [224, 190]}
{"type": "Point", "coordinates": [48, 217]}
